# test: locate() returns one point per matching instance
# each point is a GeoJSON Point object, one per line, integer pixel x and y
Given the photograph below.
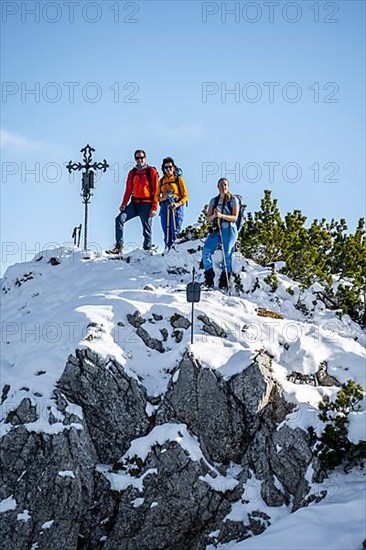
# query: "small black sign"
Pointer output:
{"type": "Point", "coordinates": [193, 292]}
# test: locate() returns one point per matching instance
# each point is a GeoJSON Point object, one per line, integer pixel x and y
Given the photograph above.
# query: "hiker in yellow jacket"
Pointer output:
{"type": "Point", "coordinates": [171, 193]}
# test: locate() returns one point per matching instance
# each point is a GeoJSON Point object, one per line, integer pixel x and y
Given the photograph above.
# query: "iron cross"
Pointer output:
{"type": "Point", "coordinates": [87, 180]}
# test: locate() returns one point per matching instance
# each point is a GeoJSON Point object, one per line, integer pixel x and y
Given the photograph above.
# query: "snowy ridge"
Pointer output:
{"type": "Point", "coordinates": [84, 303]}
{"type": "Point", "coordinates": [62, 301]}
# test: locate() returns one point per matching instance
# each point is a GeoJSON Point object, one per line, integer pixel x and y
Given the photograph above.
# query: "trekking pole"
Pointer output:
{"type": "Point", "coordinates": [174, 226]}
{"type": "Point", "coordinates": [223, 254]}
{"type": "Point", "coordinates": [79, 235]}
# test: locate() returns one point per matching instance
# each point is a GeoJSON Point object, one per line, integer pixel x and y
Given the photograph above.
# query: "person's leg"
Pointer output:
{"type": "Point", "coordinates": [179, 215]}
{"type": "Point", "coordinates": [144, 209]}
{"type": "Point", "coordinates": [211, 244]}
{"type": "Point", "coordinates": [164, 220]}
{"type": "Point", "coordinates": [229, 237]}
{"type": "Point", "coordinates": [123, 217]}
{"type": "Point", "coordinates": [232, 236]}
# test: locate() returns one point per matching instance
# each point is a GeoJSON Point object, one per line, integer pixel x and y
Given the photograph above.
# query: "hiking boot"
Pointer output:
{"type": "Point", "coordinates": [116, 250]}
{"type": "Point", "coordinates": [209, 277]}
{"type": "Point", "coordinates": [223, 282]}
{"type": "Point", "coordinates": [151, 248]}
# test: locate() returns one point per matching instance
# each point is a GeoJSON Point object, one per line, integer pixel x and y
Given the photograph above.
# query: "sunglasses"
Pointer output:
{"type": "Point", "coordinates": [167, 166]}
{"type": "Point", "coordinates": [139, 158]}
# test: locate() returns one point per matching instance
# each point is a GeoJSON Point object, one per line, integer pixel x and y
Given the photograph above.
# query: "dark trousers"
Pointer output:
{"type": "Point", "coordinates": [134, 209]}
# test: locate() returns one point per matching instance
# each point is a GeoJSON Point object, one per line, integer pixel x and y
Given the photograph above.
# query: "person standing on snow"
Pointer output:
{"type": "Point", "coordinates": [222, 212]}
{"type": "Point", "coordinates": [141, 185]}
{"type": "Point", "coordinates": [172, 194]}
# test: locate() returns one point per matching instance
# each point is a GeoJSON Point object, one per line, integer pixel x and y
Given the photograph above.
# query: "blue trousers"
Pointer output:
{"type": "Point", "coordinates": [174, 226]}
{"type": "Point", "coordinates": [229, 237]}
{"type": "Point", "coordinates": [134, 209]}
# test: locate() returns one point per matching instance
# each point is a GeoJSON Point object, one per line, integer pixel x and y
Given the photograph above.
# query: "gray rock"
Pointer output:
{"type": "Point", "coordinates": [325, 379]}
{"type": "Point", "coordinates": [202, 400]}
{"type": "Point", "coordinates": [299, 378]}
{"type": "Point", "coordinates": [179, 321]}
{"type": "Point", "coordinates": [211, 327]}
{"type": "Point", "coordinates": [135, 319]}
{"type": "Point", "coordinates": [150, 288]}
{"type": "Point", "coordinates": [178, 507]}
{"type": "Point", "coordinates": [157, 317]}
{"type": "Point", "coordinates": [25, 412]}
{"type": "Point", "coordinates": [291, 462]}
{"type": "Point", "coordinates": [4, 393]}
{"type": "Point", "coordinates": [177, 270]}
{"type": "Point", "coordinates": [178, 335]}
{"type": "Point", "coordinates": [253, 387]}
{"type": "Point", "coordinates": [150, 342]}
{"type": "Point", "coordinates": [320, 378]}
{"type": "Point", "coordinates": [112, 402]}
{"type": "Point", "coordinates": [36, 470]}
{"type": "Point", "coordinates": [54, 261]}
{"type": "Point", "coordinates": [164, 333]}
{"type": "Point", "coordinates": [54, 475]}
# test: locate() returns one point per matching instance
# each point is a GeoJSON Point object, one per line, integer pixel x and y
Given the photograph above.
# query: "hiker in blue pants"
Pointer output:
{"type": "Point", "coordinates": [222, 212]}
{"type": "Point", "coordinates": [171, 193]}
{"type": "Point", "coordinates": [171, 221]}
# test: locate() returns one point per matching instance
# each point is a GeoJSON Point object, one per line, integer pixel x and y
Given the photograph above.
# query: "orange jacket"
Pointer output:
{"type": "Point", "coordinates": [139, 187]}
{"type": "Point", "coordinates": [167, 184]}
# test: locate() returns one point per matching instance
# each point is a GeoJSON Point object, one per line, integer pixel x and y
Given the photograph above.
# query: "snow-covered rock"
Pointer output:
{"type": "Point", "coordinates": [117, 431]}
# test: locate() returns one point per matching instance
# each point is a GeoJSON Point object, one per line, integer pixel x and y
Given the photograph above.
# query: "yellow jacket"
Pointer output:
{"type": "Point", "coordinates": [167, 184]}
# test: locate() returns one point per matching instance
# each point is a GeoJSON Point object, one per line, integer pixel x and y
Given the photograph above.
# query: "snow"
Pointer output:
{"type": "Point", "coordinates": [42, 426]}
{"type": "Point", "coordinates": [120, 480]}
{"type": "Point", "coordinates": [252, 501]}
{"type": "Point", "coordinates": [45, 318]}
{"type": "Point", "coordinates": [66, 473]}
{"type": "Point", "coordinates": [159, 435]}
{"type": "Point", "coordinates": [220, 483]}
{"type": "Point", "coordinates": [48, 524]}
{"type": "Point", "coordinates": [75, 409]}
{"type": "Point", "coordinates": [137, 502]}
{"type": "Point", "coordinates": [357, 427]}
{"type": "Point", "coordinates": [8, 504]}
{"type": "Point", "coordinates": [150, 409]}
{"type": "Point", "coordinates": [24, 516]}
{"type": "Point", "coordinates": [335, 523]}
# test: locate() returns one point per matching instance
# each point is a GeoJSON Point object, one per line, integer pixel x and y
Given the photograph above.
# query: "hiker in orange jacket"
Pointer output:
{"type": "Point", "coordinates": [138, 200]}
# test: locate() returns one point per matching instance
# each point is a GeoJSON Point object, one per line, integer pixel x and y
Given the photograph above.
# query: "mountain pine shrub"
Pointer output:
{"type": "Point", "coordinates": [333, 447]}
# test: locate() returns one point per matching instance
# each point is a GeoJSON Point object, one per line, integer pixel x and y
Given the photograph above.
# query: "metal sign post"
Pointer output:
{"type": "Point", "coordinates": [87, 181]}
{"type": "Point", "coordinates": [193, 295]}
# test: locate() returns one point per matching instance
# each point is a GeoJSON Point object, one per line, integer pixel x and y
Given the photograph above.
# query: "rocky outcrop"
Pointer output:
{"type": "Point", "coordinates": [113, 403]}
{"type": "Point", "coordinates": [99, 472]}
{"type": "Point", "coordinates": [202, 400]}
{"type": "Point", "coordinates": [175, 509]}
{"type": "Point", "coordinates": [51, 478]}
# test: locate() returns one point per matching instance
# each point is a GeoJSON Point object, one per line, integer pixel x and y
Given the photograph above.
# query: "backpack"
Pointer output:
{"type": "Point", "coordinates": [148, 175]}
{"type": "Point", "coordinates": [178, 172]}
{"type": "Point", "coordinates": [240, 219]}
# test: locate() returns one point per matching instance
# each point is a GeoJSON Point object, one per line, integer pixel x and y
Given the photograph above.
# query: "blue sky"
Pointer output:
{"type": "Point", "coordinates": [173, 64]}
